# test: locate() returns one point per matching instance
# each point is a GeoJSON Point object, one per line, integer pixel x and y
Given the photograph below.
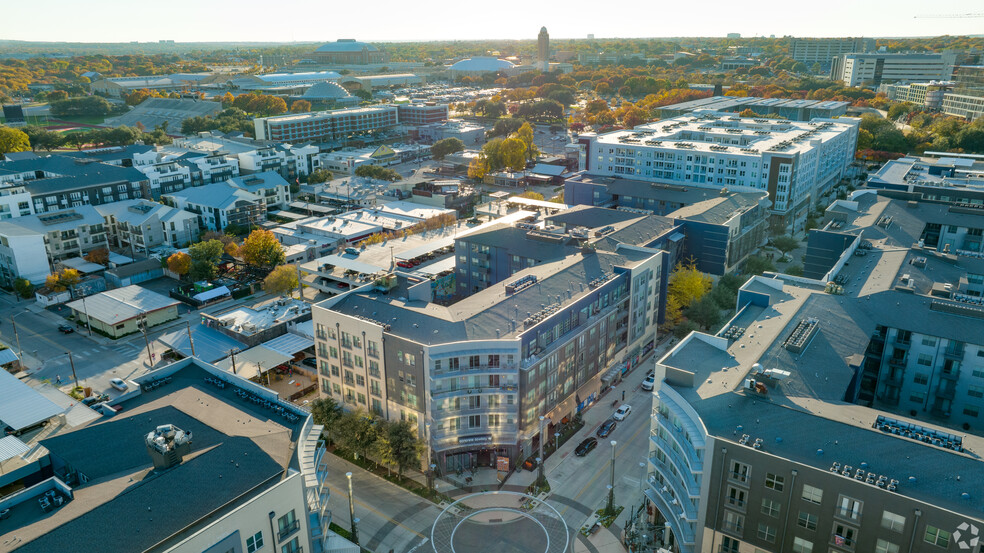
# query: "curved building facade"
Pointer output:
{"type": "Point", "coordinates": [348, 51]}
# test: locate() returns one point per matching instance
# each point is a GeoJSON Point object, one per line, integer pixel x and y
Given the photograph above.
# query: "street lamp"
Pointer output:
{"type": "Point", "coordinates": [611, 486]}
{"type": "Point", "coordinates": [355, 531]}
{"type": "Point", "coordinates": [556, 441]}
{"type": "Point", "coordinates": [539, 459]}
{"type": "Point", "coordinates": [20, 352]}
{"type": "Point", "coordinates": [430, 464]}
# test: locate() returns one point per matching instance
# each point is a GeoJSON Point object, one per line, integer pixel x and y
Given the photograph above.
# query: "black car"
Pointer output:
{"type": "Point", "coordinates": [65, 329]}
{"type": "Point", "coordinates": [310, 361]}
{"type": "Point", "coordinates": [585, 447]}
{"type": "Point", "coordinates": [606, 428]}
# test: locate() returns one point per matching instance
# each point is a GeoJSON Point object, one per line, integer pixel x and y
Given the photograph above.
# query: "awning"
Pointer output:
{"type": "Point", "coordinates": [11, 447]}
{"type": "Point", "coordinates": [210, 344]}
{"type": "Point", "coordinates": [7, 355]}
{"type": "Point", "coordinates": [216, 292]}
{"type": "Point", "coordinates": [22, 406]}
{"type": "Point", "coordinates": [81, 265]}
{"type": "Point", "coordinates": [349, 263]}
{"type": "Point", "coordinates": [254, 361]}
{"type": "Point", "coordinates": [289, 344]}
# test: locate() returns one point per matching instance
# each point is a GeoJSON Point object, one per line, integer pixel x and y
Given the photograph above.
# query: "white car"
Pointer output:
{"type": "Point", "coordinates": [118, 384]}
{"type": "Point", "coordinates": [649, 382]}
{"type": "Point", "coordinates": [622, 412]}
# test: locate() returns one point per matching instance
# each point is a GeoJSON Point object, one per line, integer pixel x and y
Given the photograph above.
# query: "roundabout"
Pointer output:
{"type": "Point", "coordinates": [500, 522]}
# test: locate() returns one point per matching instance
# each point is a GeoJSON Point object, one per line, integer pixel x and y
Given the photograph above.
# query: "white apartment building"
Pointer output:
{"type": "Point", "coordinates": [794, 161]}
{"type": "Point", "coordinates": [289, 161]}
{"type": "Point", "coordinates": [269, 185]}
{"type": "Point", "coordinates": [61, 234]}
{"type": "Point", "coordinates": [143, 224]}
{"type": "Point", "coordinates": [219, 205]}
{"type": "Point", "coordinates": [326, 125]}
{"type": "Point", "coordinates": [823, 50]}
{"type": "Point", "coordinates": [871, 70]}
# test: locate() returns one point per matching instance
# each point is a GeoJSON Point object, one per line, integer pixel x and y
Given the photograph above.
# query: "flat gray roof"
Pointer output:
{"type": "Point", "coordinates": [122, 304]}
{"type": "Point", "coordinates": [22, 406]}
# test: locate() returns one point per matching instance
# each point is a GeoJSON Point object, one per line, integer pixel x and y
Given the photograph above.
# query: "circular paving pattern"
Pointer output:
{"type": "Point", "coordinates": [499, 522]}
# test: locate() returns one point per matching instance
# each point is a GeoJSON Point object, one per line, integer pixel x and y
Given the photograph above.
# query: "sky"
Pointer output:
{"type": "Point", "coordinates": [389, 20]}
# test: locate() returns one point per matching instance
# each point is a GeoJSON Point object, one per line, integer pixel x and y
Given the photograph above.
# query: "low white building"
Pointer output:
{"type": "Point", "coordinates": [347, 160]}
{"type": "Point", "coordinates": [274, 190]}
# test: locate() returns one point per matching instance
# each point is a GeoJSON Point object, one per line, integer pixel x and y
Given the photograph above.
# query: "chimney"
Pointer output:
{"type": "Point", "coordinates": [167, 446]}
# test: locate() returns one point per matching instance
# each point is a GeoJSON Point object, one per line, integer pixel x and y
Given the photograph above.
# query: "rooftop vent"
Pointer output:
{"type": "Point", "coordinates": [804, 332]}
{"type": "Point", "coordinates": [167, 445]}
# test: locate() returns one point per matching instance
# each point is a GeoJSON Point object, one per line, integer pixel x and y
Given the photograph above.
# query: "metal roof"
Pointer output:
{"type": "Point", "coordinates": [289, 344]}
{"type": "Point", "coordinates": [7, 355]}
{"type": "Point", "coordinates": [122, 304]}
{"type": "Point", "coordinates": [11, 447]}
{"type": "Point", "coordinates": [254, 361]}
{"type": "Point", "coordinates": [22, 406]}
{"type": "Point", "coordinates": [210, 344]}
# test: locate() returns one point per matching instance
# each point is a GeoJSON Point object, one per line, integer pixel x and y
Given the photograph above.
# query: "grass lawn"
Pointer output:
{"type": "Point", "coordinates": [84, 119]}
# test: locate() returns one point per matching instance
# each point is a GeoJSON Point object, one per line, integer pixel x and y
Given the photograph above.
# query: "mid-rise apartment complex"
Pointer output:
{"type": "Point", "coordinates": [829, 417]}
{"type": "Point", "coordinates": [793, 162]}
{"type": "Point", "coordinates": [871, 70]}
{"type": "Point", "coordinates": [422, 114]}
{"type": "Point", "coordinates": [824, 50]}
{"type": "Point", "coordinates": [198, 464]}
{"type": "Point", "coordinates": [477, 374]}
{"type": "Point", "coordinates": [31, 245]}
{"type": "Point", "coordinates": [56, 182]}
{"type": "Point", "coordinates": [326, 125]}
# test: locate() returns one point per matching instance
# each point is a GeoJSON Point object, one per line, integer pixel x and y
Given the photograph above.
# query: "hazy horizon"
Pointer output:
{"type": "Point", "coordinates": [117, 21]}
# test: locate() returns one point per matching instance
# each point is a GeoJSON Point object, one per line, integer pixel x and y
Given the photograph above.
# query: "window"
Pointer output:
{"type": "Point", "coordinates": [286, 525]}
{"type": "Point", "coordinates": [770, 507]}
{"type": "Point", "coordinates": [975, 391]}
{"type": "Point", "coordinates": [936, 536]}
{"type": "Point", "coordinates": [736, 497]}
{"type": "Point", "coordinates": [811, 494]}
{"type": "Point", "coordinates": [806, 520]}
{"type": "Point", "coordinates": [254, 542]}
{"type": "Point", "coordinates": [733, 522]}
{"type": "Point", "coordinates": [929, 341]}
{"type": "Point", "coordinates": [774, 482]}
{"type": "Point", "coordinates": [474, 421]}
{"type": "Point", "coordinates": [892, 521]}
{"type": "Point", "coordinates": [848, 507]}
{"type": "Point", "coordinates": [924, 359]}
{"type": "Point", "coordinates": [766, 532]}
{"type": "Point", "coordinates": [971, 410]}
{"type": "Point", "coordinates": [740, 471]}
{"type": "Point", "coordinates": [293, 546]}
{"type": "Point", "coordinates": [844, 536]}
{"type": "Point", "coordinates": [729, 545]}
{"type": "Point", "coordinates": [882, 546]}
{"type": "Point", "coordinates": [921, 379]}
{"type": "Point", "coordinates": [802, 546]}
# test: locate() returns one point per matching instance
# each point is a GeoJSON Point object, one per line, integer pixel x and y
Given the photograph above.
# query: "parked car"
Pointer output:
{"type": "Point", "coordinates": [118, 384]}
{"type": "Point", "coordinates": [310, 362]}
{"type": "Point", "coordinates": [404, 264]}
{"type": "Point", "coordinates": [649, 382]}
{"type": "Point", "coordinates": [622, 412]}
{"type": "Point", "coordinates": [586, 446]}
{"type": "Point", "coordinates": [65, 329]}
{"type": "Point", "coordinates": [351, 251]}
{"type": "Point", "coordinates": [606, 428]}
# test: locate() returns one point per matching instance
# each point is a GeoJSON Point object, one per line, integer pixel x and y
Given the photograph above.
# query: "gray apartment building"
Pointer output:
{"type": "Point", "coordinates": [476, 375]}
{"type": "Point", "coordinates": [838, 414]}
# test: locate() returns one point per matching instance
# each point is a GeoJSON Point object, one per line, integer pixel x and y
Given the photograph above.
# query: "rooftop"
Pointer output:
{"type": "Point", "coordinates": [122, 304]}
{"type": "Point", "coordinates": [219, 195]}
{"type": "Point", "coordinates": [250, 320]}
{"type": "Point", "coordinates": [122, 482]}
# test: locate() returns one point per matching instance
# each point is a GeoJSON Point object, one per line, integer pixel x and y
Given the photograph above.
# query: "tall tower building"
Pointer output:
{"type": "Point", "coordinates": [543, 50]}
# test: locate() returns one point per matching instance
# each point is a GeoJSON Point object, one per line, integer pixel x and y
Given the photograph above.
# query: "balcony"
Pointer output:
{"type": "Point", "coordinates": [900, 343]}
{"type": "Point", "coordinates": [951, 375]}
{"type": "Point", "coordinates": [440, 394]}
{"type": "Point", "coordinates": [954, 353]}
{"type": "Point", "coordinates": [688, 486]}
{"type": "Point", "coordinates": [946, 392]}
{"type": "Point", "coordinates": [673, 512]}
{"type": "Point", "coordinates": [693, 463]}
{"type": "Point", "coordinates": [897, 362]}
{"type": "Point", "coordinates": [286, 531]}
{"type": "Point", "coordinates": [479, 370]}
{"type": "Point", "coordinates": [894, 378]}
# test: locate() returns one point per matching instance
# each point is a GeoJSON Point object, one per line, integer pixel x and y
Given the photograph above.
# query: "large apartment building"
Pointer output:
{"type": "Point", "coordinates": [326, 125]}
{"type": "Point", "coordinates": [785, 431]}
{"type": "Point", "coordinates": [197, 464]}
{"type": "Point", "coordinates": [31, 245]}
{"type": "Point", "coordinates": [794, 162]}
{"type": "Point", "coordinates": [477, 374]}
{"type": "Point", "coordinates": [823, 50]}
{"type": "Point", "coordinates": [871, 70]}
{"type": "Point", "coordinates": [56, 182]}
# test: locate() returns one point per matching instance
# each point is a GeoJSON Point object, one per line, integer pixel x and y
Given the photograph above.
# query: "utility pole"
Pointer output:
{"type": "Point", "coordinates": [190, 339]}
{"type": "Point", "coordinates": [86, 312]}
{"type": "Point", "coordinates": [142, 325]}
{"type": "Point", "coordinates": [430, 465]}
{"type": "Point", "coordinates": [539, 460]}
{"type": "Point", "coordinates": [233, 353]}
{"type": "Point", "coordinates": [20, 352]}
{"type": "Point", "coordinates": [72, 363]}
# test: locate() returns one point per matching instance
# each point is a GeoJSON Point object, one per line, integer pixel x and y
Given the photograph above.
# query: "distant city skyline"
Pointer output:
{"type": "Point", "coordinates": [254, 21]}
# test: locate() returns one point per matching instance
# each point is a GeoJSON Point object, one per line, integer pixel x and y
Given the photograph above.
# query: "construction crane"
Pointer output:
{"type": "Point", "coordinates": [949, 16]}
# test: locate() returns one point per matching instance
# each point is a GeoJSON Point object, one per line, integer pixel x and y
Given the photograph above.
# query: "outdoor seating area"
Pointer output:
{"type": "Point", "coordinates": [276, 407]}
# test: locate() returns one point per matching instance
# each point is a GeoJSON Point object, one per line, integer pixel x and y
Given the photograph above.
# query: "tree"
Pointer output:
{"type": "Point", "coordinates": [357, 431]}
{"type": "Point", "coordinates": [531, 195]}
{"type": "Point", "coordinates": [362, 94]}
{"type": "Point", "coordinates": [513, 152]}
{"type": "Point", "coordinates": [231, 248]}
{"type": "Point", "coordinates": [318, 176]}
{"type": "Point", "coordinates": [204, 259]}
{"type": "Point", "coordinates": [785, 244]}
{"type": "Point", "coordinates": [99, 256]}
{"type": "Point", "coordinates": [43, 139]}
{"type": "Point", "coordinates": [179, 263]}
{"type": "Point", "coordinates": [442, 148]}
{"type": "Point", "coordinates": [227, 99]}
{"type": "Point", "coordinates": [57, 96]}
{"type": "Point", "coordinates": [687, 284]}
{"type": "Point", "coordinates": [381, 449]}
{"type": "Point", "coordinates": [377, 172]}
{"type": "Point", "coordinates": [300, 106]}
{"type": "Point", "coordinates": [281, 280]}
{"type": "Point", "coordinates": [403, 445]}
{"type": "Point", "coordinates": [525, 133]}
{"type": "Point", "coordinates": [756, 265]}
{"type": "Point", "coordinates": [704, 312]}
{"type": "Point", "coordinates": [262, 249]}
{"type": "Point", "coordinates": [13, 140]}
{"type": "Point", "coordinates": [477, 168]}
{"type": "Point", "coordinates": [137, 97]}
{"type": "Point", "coordinates": [327, 412]}
{"type": "Point", "coordinates": [85, 105]}
{"type": "Point", "coordinates": [24, 288]}
{"type": "Point", "coordinates": [62, 280]}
